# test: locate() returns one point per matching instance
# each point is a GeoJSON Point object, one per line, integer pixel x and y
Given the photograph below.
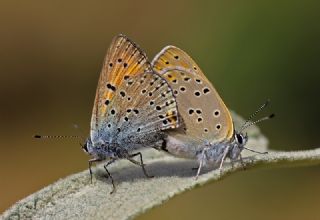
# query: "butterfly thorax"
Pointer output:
{"type": "Point", "coordinates": [103, 151]}
{"type": "Point", "coordinates": [231, 149]}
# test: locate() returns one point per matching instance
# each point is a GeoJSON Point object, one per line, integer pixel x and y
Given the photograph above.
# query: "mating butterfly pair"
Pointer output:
{"type": "Point", "coordinates": [167, 104]}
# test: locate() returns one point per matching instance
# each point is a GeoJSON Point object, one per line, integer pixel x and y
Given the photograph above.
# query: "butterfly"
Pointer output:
{"type": "Point", "coordinates": [208, 132]}
{"type": "Point", "coordinates": [132, 108]}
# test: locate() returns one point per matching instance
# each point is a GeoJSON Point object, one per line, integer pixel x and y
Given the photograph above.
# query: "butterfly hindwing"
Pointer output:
{"type": "Point", "coordinates": [203, 112]}
{"type": "Point", "coordinates": [172, 57]}
{"type": "Point", "coordinates": [143, 107]}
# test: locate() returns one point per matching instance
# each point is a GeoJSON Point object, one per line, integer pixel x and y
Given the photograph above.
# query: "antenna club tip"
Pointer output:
{"type": "Point", "coordinates": [272, 115]}
{"type": "Point", "coordinates": [37, 136]}
{"type": "Point", "coordinates": [266, 103]}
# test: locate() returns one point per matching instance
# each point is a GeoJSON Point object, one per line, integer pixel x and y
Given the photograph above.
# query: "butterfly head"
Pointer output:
{"type": "Point", "coordinates": [240, 140]}
{"type": "Point", "coordinates": [87, 146]}
{"type": "Point", "coordinates": [101, 150]}
{"type": "Point", "coordinates": [94, 150]}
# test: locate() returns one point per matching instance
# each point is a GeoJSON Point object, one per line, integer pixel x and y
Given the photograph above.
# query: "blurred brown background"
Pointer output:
{"type": "Point", "coordinates": [51, 54]}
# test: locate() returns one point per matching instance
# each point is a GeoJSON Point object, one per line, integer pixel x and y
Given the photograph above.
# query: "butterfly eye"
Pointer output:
{"type": "Point", "coordinates": [85, 147]}
{"type": "Point", "coordinates": [239, 138]}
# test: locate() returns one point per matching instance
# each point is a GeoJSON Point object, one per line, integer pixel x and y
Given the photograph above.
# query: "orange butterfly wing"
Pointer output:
{"type": "Point", "coordinates": [124, 59]}
{"type": "Point", "coordinates": [175, 65]}
{"type": "Point", "coordinates": [172, 57]}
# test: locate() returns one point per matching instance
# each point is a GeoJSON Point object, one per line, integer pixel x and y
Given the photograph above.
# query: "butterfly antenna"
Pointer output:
{"type": "Point", "coordinates": [54, 136]}
{"type": "Point", "coordinates": [254, 151]}
{"type": "Point", "coordinates": [255, 113]}
{"type": "Point", "coordinates": [256, 122]}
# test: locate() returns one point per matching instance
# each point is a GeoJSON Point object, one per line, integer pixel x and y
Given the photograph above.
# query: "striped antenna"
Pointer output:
{"type": "Point", "coordinates": [257, 121]}
{"type": "Point", "coordinates": [254, 114]}
{"type": "Point", "coordinates": [54, 136]}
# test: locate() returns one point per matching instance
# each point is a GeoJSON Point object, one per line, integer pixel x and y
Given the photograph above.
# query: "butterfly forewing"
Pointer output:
{"type": "Point", "coordinates": [133, 104]}
{"type": "Point", "coordinates": [124, 58]}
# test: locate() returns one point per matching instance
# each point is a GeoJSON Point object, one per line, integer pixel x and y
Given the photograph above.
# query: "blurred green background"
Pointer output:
{"type": "Point", "coordinates": [51, 53]}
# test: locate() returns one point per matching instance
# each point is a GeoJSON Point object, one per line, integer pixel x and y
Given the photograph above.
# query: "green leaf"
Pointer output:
{"type": "Point", "coordinates": [74, 197]}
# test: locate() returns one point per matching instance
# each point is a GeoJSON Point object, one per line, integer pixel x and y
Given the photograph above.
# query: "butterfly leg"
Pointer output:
{"type": "Point", "coordinates": [203, 155]}
{"type": "Point", "coordinates": [109, 175]}
{"type": "Point", "coordinates": [139, 164]}
{"type": "Point", "coordinates": [242, 163]}
{"type": "Point", "coordinates": [90, 164]}
{"type": "Point", "coordinates": [232, 164]}
{"type": "Point", "coordinates": [226, 151]}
